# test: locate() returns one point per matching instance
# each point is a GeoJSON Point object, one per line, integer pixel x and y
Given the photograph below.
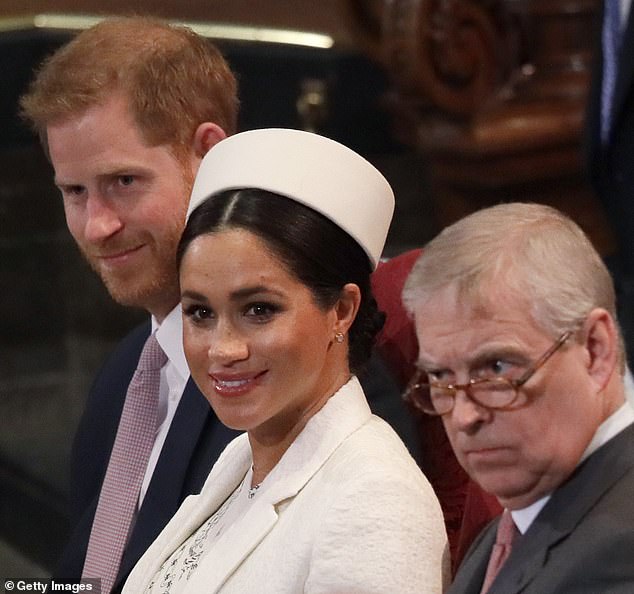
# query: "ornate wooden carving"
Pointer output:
{"type": "Point", "coordinates": [493, 92]}
{"type": "Point", "coordinates": [454, 53]}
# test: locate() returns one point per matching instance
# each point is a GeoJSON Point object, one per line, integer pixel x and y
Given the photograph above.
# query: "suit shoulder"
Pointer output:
{"type": "Point", "coordinates": [122, 361]}
{"type": "Point", "coordinates": [130, 346]}
{"type": "Point", "coordinates": [374, 455]}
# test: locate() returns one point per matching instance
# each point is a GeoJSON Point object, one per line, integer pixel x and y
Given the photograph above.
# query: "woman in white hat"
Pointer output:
{"type": "Point", "coordinates": [318, 495]}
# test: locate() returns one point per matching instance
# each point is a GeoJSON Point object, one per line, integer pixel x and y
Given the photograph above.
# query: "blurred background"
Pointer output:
{"type": "Point", "coordinates": [460, 103]}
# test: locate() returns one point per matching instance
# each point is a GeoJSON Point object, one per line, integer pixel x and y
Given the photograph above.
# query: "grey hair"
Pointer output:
{"type": "Point", "coordinates": [534, 251]}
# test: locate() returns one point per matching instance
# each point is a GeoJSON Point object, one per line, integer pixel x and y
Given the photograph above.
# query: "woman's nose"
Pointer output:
{"type": "Point", "coordinates": [227, 345]}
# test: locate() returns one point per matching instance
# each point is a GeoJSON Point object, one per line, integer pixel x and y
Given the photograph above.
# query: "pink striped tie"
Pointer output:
{"type": "Point", "coordinates": [126, 468]}
{"type": "Point", "coordinates": [506, 534]}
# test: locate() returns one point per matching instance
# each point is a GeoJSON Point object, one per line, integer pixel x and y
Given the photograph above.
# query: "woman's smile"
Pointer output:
{"type": "Point", "coordinates": [236, 384]}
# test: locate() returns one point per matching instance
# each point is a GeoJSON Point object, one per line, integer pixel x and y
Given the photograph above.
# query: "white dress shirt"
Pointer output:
{"type": "Point", "coordinates": [174, 377]}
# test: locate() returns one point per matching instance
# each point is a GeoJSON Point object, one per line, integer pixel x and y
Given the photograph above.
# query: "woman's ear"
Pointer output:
{"type": "Point", "coordinates": [602, 346]}
{"type": "Point", "coordinates": [206, 136]}
{"type": "Point", "coordinates": [347, 307]}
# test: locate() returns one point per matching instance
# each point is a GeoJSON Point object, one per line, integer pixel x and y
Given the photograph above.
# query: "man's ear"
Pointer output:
{"type": "Point", "coordinates": [206, 136]}
{"type": "Point", "coordinates": [347, 307]}
{"type": "Point", "coordinates": [602, 346]}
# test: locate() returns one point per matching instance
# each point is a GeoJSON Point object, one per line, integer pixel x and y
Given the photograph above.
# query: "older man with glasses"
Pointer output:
{"type": "Point", "coordinates": [521, 355]}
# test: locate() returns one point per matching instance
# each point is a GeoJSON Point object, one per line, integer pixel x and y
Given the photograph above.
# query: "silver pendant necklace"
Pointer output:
{"type": "Point", "coordinates": [253, 490]}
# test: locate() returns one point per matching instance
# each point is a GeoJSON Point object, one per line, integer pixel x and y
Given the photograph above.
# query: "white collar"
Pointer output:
{"type": "Point", "coordinates": [170, 336]}
{"type": "Point", "coordinates": [523, 518]}
{"type": "Point", "coordinates": [614, 424]}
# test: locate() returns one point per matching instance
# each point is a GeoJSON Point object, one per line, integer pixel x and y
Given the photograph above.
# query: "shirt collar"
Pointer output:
{"type": "Point", "coordinates": [613, 425]}
{"type": "Point", "coordinates": [523, 518]}
{"type": "Point", "coordinates": [170, 336]}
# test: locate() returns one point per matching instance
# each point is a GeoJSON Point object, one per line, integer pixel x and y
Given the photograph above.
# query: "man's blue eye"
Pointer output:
{"type": "Point", "coordinates": [436, 375]}
{"type": "Point", "coordinates": [499, 367]}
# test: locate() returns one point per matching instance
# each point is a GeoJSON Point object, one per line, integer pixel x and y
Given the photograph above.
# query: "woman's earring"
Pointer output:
{"type": "Point", "coordinates": [339, 337]}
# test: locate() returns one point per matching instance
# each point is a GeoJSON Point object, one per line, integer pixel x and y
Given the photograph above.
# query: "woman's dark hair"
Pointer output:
{"type": "Point", "coordinates": [313, 248]}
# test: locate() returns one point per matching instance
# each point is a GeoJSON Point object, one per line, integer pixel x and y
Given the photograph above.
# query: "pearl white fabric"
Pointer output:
{"type": "Point", "coordinates": [311, 169]}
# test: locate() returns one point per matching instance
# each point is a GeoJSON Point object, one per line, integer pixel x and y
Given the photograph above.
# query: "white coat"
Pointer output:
{"type": "Point", "coordinates": [348, 511]}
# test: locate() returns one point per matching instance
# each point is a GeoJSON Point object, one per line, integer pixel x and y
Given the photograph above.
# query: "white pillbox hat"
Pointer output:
{"type": "Point", "coordinates": [311, 169]}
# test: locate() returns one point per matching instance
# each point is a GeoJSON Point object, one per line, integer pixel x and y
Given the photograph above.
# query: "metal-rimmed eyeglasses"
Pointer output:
{"type": "Point", "coordinates": [434, 398]}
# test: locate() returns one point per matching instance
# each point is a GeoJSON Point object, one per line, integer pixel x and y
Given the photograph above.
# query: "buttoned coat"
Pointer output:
{"type": "Point", "coordinates": [582, 541]}
{"type": "Point", "coordinates": [346, 510]}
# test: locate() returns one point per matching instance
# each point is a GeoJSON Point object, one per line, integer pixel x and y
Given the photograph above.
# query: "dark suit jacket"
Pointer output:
{"type": "Point", "coordinates": [582, 542]}
{"type": "Point", "coordinates": [195, 440]}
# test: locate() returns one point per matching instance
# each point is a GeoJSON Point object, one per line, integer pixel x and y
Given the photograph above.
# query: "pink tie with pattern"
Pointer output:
{"type": "Point", "coordinates": [126, 468]}
{"type": "Point", "coordinates": [506, 534]}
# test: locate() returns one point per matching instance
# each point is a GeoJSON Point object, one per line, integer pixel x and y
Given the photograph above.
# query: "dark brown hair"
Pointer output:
{"type": "Point", "coordinates": [313, 248]}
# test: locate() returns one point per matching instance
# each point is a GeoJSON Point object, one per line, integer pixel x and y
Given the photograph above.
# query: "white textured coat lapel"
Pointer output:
{"type": "Point", "coordinates": [236, 545]}
{"type": "Point", "coordinates": [343, 414]}
{"type": "Point", "coordinates": [193, 512]}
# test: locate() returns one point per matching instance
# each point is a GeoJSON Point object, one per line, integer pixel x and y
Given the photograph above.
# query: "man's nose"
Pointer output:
{"type": "Point", "coordinates": [102, 219]}
{"type": "Point", "coordinates": [467, 414]}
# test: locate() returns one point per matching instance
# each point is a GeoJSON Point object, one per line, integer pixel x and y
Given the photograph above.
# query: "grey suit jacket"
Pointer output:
{"type": "Point", "coordinates": [582, 542]}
